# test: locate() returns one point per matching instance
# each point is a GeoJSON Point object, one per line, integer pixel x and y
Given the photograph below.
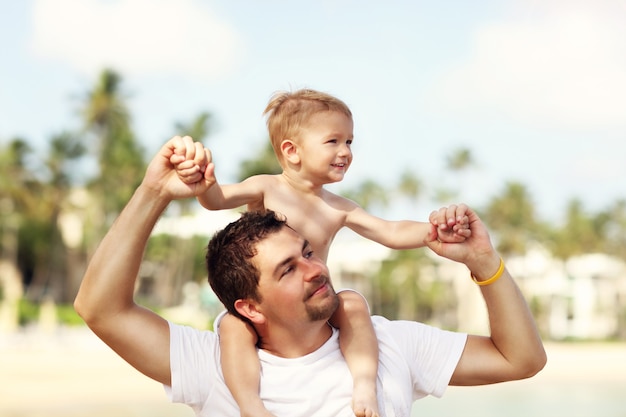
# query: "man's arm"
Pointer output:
{"type": "Point", "coordinates": [514, 350]}
{"type": "Point", "coordinates": [105, 298]}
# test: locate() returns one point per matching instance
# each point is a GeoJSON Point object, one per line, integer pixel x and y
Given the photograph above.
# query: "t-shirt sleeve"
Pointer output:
{"type": "Point", "coordinates": [193, 364]}
{"type": "Point", "coordinates": [432, 354]}
{"type": "Point", "coordinates": [218, 321]}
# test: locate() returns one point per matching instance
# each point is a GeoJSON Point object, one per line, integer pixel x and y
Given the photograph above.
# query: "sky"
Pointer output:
{"type": "Point", "coordinates": [536, 90]}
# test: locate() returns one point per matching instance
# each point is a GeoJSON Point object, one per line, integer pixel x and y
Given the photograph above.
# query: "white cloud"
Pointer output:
{"type": "Point", "coordinates": [135, 36]}
{"type": "Point", "coordinates": [563, 65]}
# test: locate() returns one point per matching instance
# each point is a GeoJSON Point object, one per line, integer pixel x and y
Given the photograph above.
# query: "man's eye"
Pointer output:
{"type": "Point", "coordinates": [287, 271]}
{"type": "Point", "coordinates": [308, 254]}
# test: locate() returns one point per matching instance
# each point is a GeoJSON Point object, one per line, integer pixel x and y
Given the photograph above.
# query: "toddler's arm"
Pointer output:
{"type": "Point", "coordinates": [359, 345]}
{"type": "Point", "coordinates": [241, 366]}
{"type": "Point", "coordinates": [190, 162]}
{"type": "Point", "coordinates": [405, 234]}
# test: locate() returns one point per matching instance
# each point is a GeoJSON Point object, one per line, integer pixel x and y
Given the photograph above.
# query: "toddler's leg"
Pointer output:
{"type": "Point", "coordinates": [359, 345]}
{"type": "Point", "coordinates": [240, 365]}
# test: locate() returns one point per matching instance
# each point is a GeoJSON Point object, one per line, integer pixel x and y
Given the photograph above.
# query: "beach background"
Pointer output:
{"type": "Point", "coordinates": [71, 373]}
{"type": "Point", "coordinates": [534, 90]}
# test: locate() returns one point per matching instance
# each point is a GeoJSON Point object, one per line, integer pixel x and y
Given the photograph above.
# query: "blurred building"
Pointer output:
{"type": "Point", "coordinates": [581, 298]}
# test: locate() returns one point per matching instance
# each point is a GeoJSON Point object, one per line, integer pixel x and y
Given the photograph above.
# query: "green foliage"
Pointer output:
{"type": "Point", "coordinates": [18, 184]}
{"type": "Point", "coordinates": [512, 216]}
{"type": "Point", "coordinates": [159, 246]}
{"type": "Point", "coordinates": [460, 159]}
{"type": "Point", "coordinates": [64, 148]}
{"type": "Point", "coordinates": [34, 193]}
{"type": "Point", "coordinates": [613, 229]}
{"type": "Point", "coordinates": [581, 233]}
{"type": "Point", "coordinates": [410, 185]}
{"type": "Point", "coordinates": [119, 154]}
{"type": "Point", "coordinates": [28, 312]}
{"type": "Point", "coordinates": [104, 107]}
{"type": "Point", "coordinates": [264, 162]}
{"type": "Point", "coordinates": [34, 237]}
{"type": "Point", "coordinates": [402, 292]}
{"type": "Point", "coordinates": [173, 261]}
{"type": "Point", "coordinates": [66, 315]}
{"type": "Point", "coordinates": [368, 194]}
{"type": "Point", "coordinates": [198, 128]}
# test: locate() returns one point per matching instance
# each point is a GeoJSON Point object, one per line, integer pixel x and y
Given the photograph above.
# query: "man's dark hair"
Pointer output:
{"type": "Point", "coordinates": [232, 274]}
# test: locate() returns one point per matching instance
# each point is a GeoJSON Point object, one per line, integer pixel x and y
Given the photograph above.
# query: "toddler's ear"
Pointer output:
{"type": "Point", "coordinates": [290, 151]}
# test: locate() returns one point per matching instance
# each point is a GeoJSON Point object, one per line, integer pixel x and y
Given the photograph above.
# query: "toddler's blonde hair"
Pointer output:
{"type": "Point", "coordinates": [287, 112]}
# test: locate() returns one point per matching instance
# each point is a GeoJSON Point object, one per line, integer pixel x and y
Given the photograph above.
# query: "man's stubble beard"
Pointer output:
{"type": "Point", "coordinates": [326, 309]}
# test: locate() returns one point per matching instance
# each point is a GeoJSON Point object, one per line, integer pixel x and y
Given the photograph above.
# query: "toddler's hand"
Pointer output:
{"type": "Point", "coordinates": [188, 171]}
{"type": "Point", "coordinates": [190, 160]}
{"type": "Point", "coordinates": [451, 223]}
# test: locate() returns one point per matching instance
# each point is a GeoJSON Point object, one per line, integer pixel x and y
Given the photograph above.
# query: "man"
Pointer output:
{"type": "Point", "coordinates": [303, 372]}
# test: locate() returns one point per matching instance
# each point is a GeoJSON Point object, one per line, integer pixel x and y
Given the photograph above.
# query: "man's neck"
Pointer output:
{"type": "Point", "coordinates": [290, 344]}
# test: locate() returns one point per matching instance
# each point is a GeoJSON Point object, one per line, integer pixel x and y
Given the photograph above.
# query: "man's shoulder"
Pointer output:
{"type": "Point", "coordinates": [400, 330]}
{"type": "Point", "coordinates": [412, 336]}
{"type": "Point", "coordinates": [386, 328]}
{"type": "Point", "coordinates": [385, 322]}
{"type": "Point", "coordinates": [192, 335]}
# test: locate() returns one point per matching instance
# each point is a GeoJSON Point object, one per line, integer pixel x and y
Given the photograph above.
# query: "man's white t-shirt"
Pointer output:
{"type": "Point", "coordinates": [415, 360]}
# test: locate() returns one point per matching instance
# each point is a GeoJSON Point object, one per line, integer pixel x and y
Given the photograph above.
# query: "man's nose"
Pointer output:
{"type": "Point", "coordinates": [313, 268]}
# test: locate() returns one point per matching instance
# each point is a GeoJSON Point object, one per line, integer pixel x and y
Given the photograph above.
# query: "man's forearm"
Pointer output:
{"type": "Point", "coordinates": [513, 329]}
{"type": "Point", "coordinates": [514, 349]}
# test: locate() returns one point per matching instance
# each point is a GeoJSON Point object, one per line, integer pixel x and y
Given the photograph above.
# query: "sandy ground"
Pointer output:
{"type": "Point", "coordinates": [71, 373]}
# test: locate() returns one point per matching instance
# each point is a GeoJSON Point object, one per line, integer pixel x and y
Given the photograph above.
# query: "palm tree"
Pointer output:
{"type": "Point", "coordinates": [459, 160]}
{"type": "Point", "coordinates": [581, 233]}
{"type": "Point", "coordinates": [402, 291]}
{"type": "Point", "coordinates": [60, 269]}
{"type": "Point", "coordinates": [198, 128]}
{"type": "Point", "coordinates": [106, 115]}
{"type": "Point", "coordinates": [410, 186]}
{"type": "Point", "coordinates": [368, 194]}
{"type": "Point", "coordinates": [511, 215]}
{"type": "Point", "coordinates": [41, 252]}
{"type": "Point", "coordinates": [119, 155]}
{"type": "Point", "coordinates": [615, 229]}
{"type": "Point", "coordinates": [16, 198]}
{"type": "Point", "coordinates": [264, 162]}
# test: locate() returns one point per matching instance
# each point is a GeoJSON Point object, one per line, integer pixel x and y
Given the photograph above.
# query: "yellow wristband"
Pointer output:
{"type": "Point", "coordinates": [494, 278]}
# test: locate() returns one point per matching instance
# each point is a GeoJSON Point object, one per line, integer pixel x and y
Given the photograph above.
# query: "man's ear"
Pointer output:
{"type": "Point", "coordinates": [289, 149]}
{"type": "Point", "coordinates": [248, 309]}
